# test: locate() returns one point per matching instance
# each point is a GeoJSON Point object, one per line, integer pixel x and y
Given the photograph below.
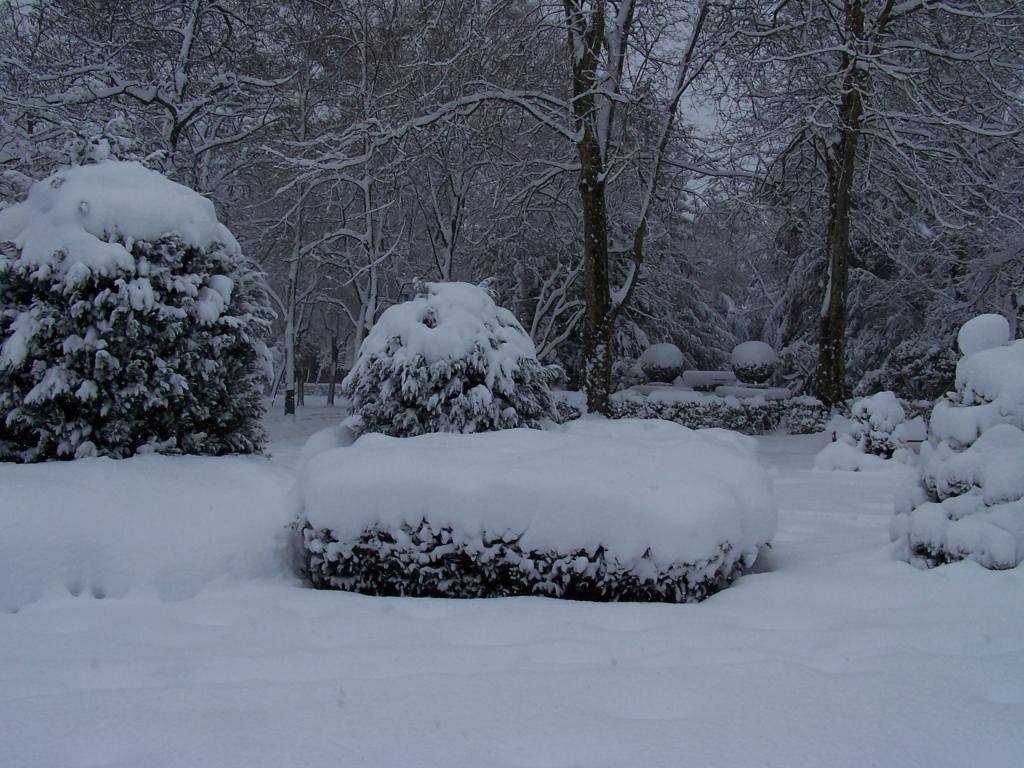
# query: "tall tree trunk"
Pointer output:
{"type": "Point", "coordinates": [841, 165]}
{"type": "Point", "coordinates": [598, 331]}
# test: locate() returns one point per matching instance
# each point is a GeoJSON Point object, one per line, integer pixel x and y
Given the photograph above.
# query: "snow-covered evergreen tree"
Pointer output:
{"type": "Point", "coordinates": [970, 503]}
{"type": "Point", "coordinates": [873, 425]}
{"type": "Point", "coordinates": [449, 360]}
{"type": "Point", "coordinates": [129, 321]}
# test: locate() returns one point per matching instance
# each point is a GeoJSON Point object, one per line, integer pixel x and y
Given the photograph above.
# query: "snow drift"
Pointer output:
{"type": "Point", "coordinates": [165, 525]}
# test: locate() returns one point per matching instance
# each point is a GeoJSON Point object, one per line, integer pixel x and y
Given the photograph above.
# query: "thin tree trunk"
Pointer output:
{"type": "Point", "coordinates": [332, 385]}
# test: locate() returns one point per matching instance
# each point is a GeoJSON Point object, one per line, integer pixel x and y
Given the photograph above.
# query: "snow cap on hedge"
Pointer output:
{"type": "Point", "coordinates": [753, 353]}
{"type": "Point", "coordinates": [983, 332]}
{"type": "Point", "coordinates": [447, 321]}
{"type": "Point", "coordinates": [665, 355]}
{"type": "Point", "coordinates": [83, 219]}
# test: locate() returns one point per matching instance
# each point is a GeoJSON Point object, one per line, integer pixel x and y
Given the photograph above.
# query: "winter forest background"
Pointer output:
{"type": "Point", "coordinates": [840, 179]}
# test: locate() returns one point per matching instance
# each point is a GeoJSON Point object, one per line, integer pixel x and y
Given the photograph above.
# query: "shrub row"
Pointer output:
{"type": "Point", "coordinates": [419, 561]}
{"type": "Point", "coordinates": [796, 415]}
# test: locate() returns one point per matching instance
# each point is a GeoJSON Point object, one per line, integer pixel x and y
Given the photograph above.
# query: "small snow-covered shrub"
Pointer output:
{"type": "Point", "coordinates": [970, 502]}
{"type": "Point", "coordinates": [449, 360]}
{"type": "Point", "coordinates": [609, 510]}
{"type": "Point", "coordinates": [129, 321]}
{"type": "Point", "coordinates": [662, 362]}
{"type": "Point", "coordinates": [753, 362]}
{"type": "Point", "coordinates": [873, 424]}
{"type": "Point", "coordinates": [846, 457]}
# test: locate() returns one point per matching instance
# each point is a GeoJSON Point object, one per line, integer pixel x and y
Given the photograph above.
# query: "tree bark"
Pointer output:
{"type": "Point", "coordinates": [332, 386]}
{"type": "Point", "coordinates": [841, 165]}
{"type": "Point", "coordinates": [598, 335]}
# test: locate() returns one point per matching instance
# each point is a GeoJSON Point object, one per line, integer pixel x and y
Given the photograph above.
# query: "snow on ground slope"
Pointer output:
{"type": "Point", "coordinates": [835, 654]}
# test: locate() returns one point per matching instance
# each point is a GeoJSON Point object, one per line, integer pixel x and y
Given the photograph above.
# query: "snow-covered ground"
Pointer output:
{"type": "Point", "coordinates": [833, 654]}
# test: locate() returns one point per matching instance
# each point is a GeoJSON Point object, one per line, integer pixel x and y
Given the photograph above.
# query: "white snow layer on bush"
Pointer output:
{"type": "Point", "coordinates": [71, 220]}
{"type": "Point", "coordinates": [626, 485]}
{"type": "Point", "coordinates": [882, 411]}
{"type": "Point", "coordinates": [972, 480]}
{"type": "Point", "coordinates": [751, 353]}
{"type": "Point", "coordinates": [443, 324]}
{"type": "Point", "coordinates": [662, 356]}
{"type": "Point", "coordinates": [165, 525]}
{"type": "Point", "coordinates": [990, 390]}
{"type": "Point", "coordinates": [983, 332]}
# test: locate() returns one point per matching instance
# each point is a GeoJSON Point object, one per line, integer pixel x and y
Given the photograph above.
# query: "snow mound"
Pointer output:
{"type": "Point", "coordinates": [82, 220]}
{"type": "Point", "coordinates": [751, 353]}
{"type": "Point", "coordinates": [646, 495]}
{"type": "Point", "coordinates": [972, 479]}
{"type": "Point", "coordinates": [449, 360]}
{"type": "Point", "coordinates": [168, 525]}
{"type": "Point", "coordinates": [846, 458]}
{"type": "Point", "coordinates": [983, 332]}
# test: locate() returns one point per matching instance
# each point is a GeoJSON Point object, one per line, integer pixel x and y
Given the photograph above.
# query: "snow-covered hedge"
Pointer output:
{"type": "Point", "coordinates": [662, 362]}
{"type": "Point", "coordinates": [970, 502]}
{"type": "Point", "coordinates": [596, 510]}
{"type": "Point", "coordinates": [698, 410]}
{"type": "Point", "coordinates": [449, 360]}
{"type": "Point", "coordinates": [129, 321]}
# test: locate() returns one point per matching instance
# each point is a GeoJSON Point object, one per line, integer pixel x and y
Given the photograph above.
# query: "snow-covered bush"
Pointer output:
{"type": "Point", "coordinates": [804, 415]}
{"type": "Point", "coordinates": [699, 410]}
{"type": "Point", "coordinates": [129, 321]}
{"type": "Point", "coordinates": [970, 502]}
{"type": "Point", "coordinates": [627, 510]}
{"type": "Point", "coordinates": [627, 373]}
{"type": "Point", "coordinates": [449, 360]}
{"type": "Point", "coordinates": [662, 362]}
{"type": "Point", "coordinates": [873, 424]}
{"type": "Point", "coordinates": [753, 362]}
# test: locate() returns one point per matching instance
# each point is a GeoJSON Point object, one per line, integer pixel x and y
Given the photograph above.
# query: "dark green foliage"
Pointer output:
{"type": "Point", "coordinates": [122, 363]}
{"type": "Point", "coordinates": [418, 561]}
{"type": "Point", "coordinates": [914, 370]}
{"type": "Point", "coordinates": [798, 415]}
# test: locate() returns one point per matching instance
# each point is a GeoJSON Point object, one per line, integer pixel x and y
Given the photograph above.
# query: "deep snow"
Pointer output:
{"type": "Point", "coordinates": [835, 654]}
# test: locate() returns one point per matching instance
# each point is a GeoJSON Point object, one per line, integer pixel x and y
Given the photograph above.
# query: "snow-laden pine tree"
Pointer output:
{"type": "Point", "coordinates": [449, 360]}
{"type": "Point", "coordinates": [130, 322]}
{"type": "Point", "coordinates": [970, 503]}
